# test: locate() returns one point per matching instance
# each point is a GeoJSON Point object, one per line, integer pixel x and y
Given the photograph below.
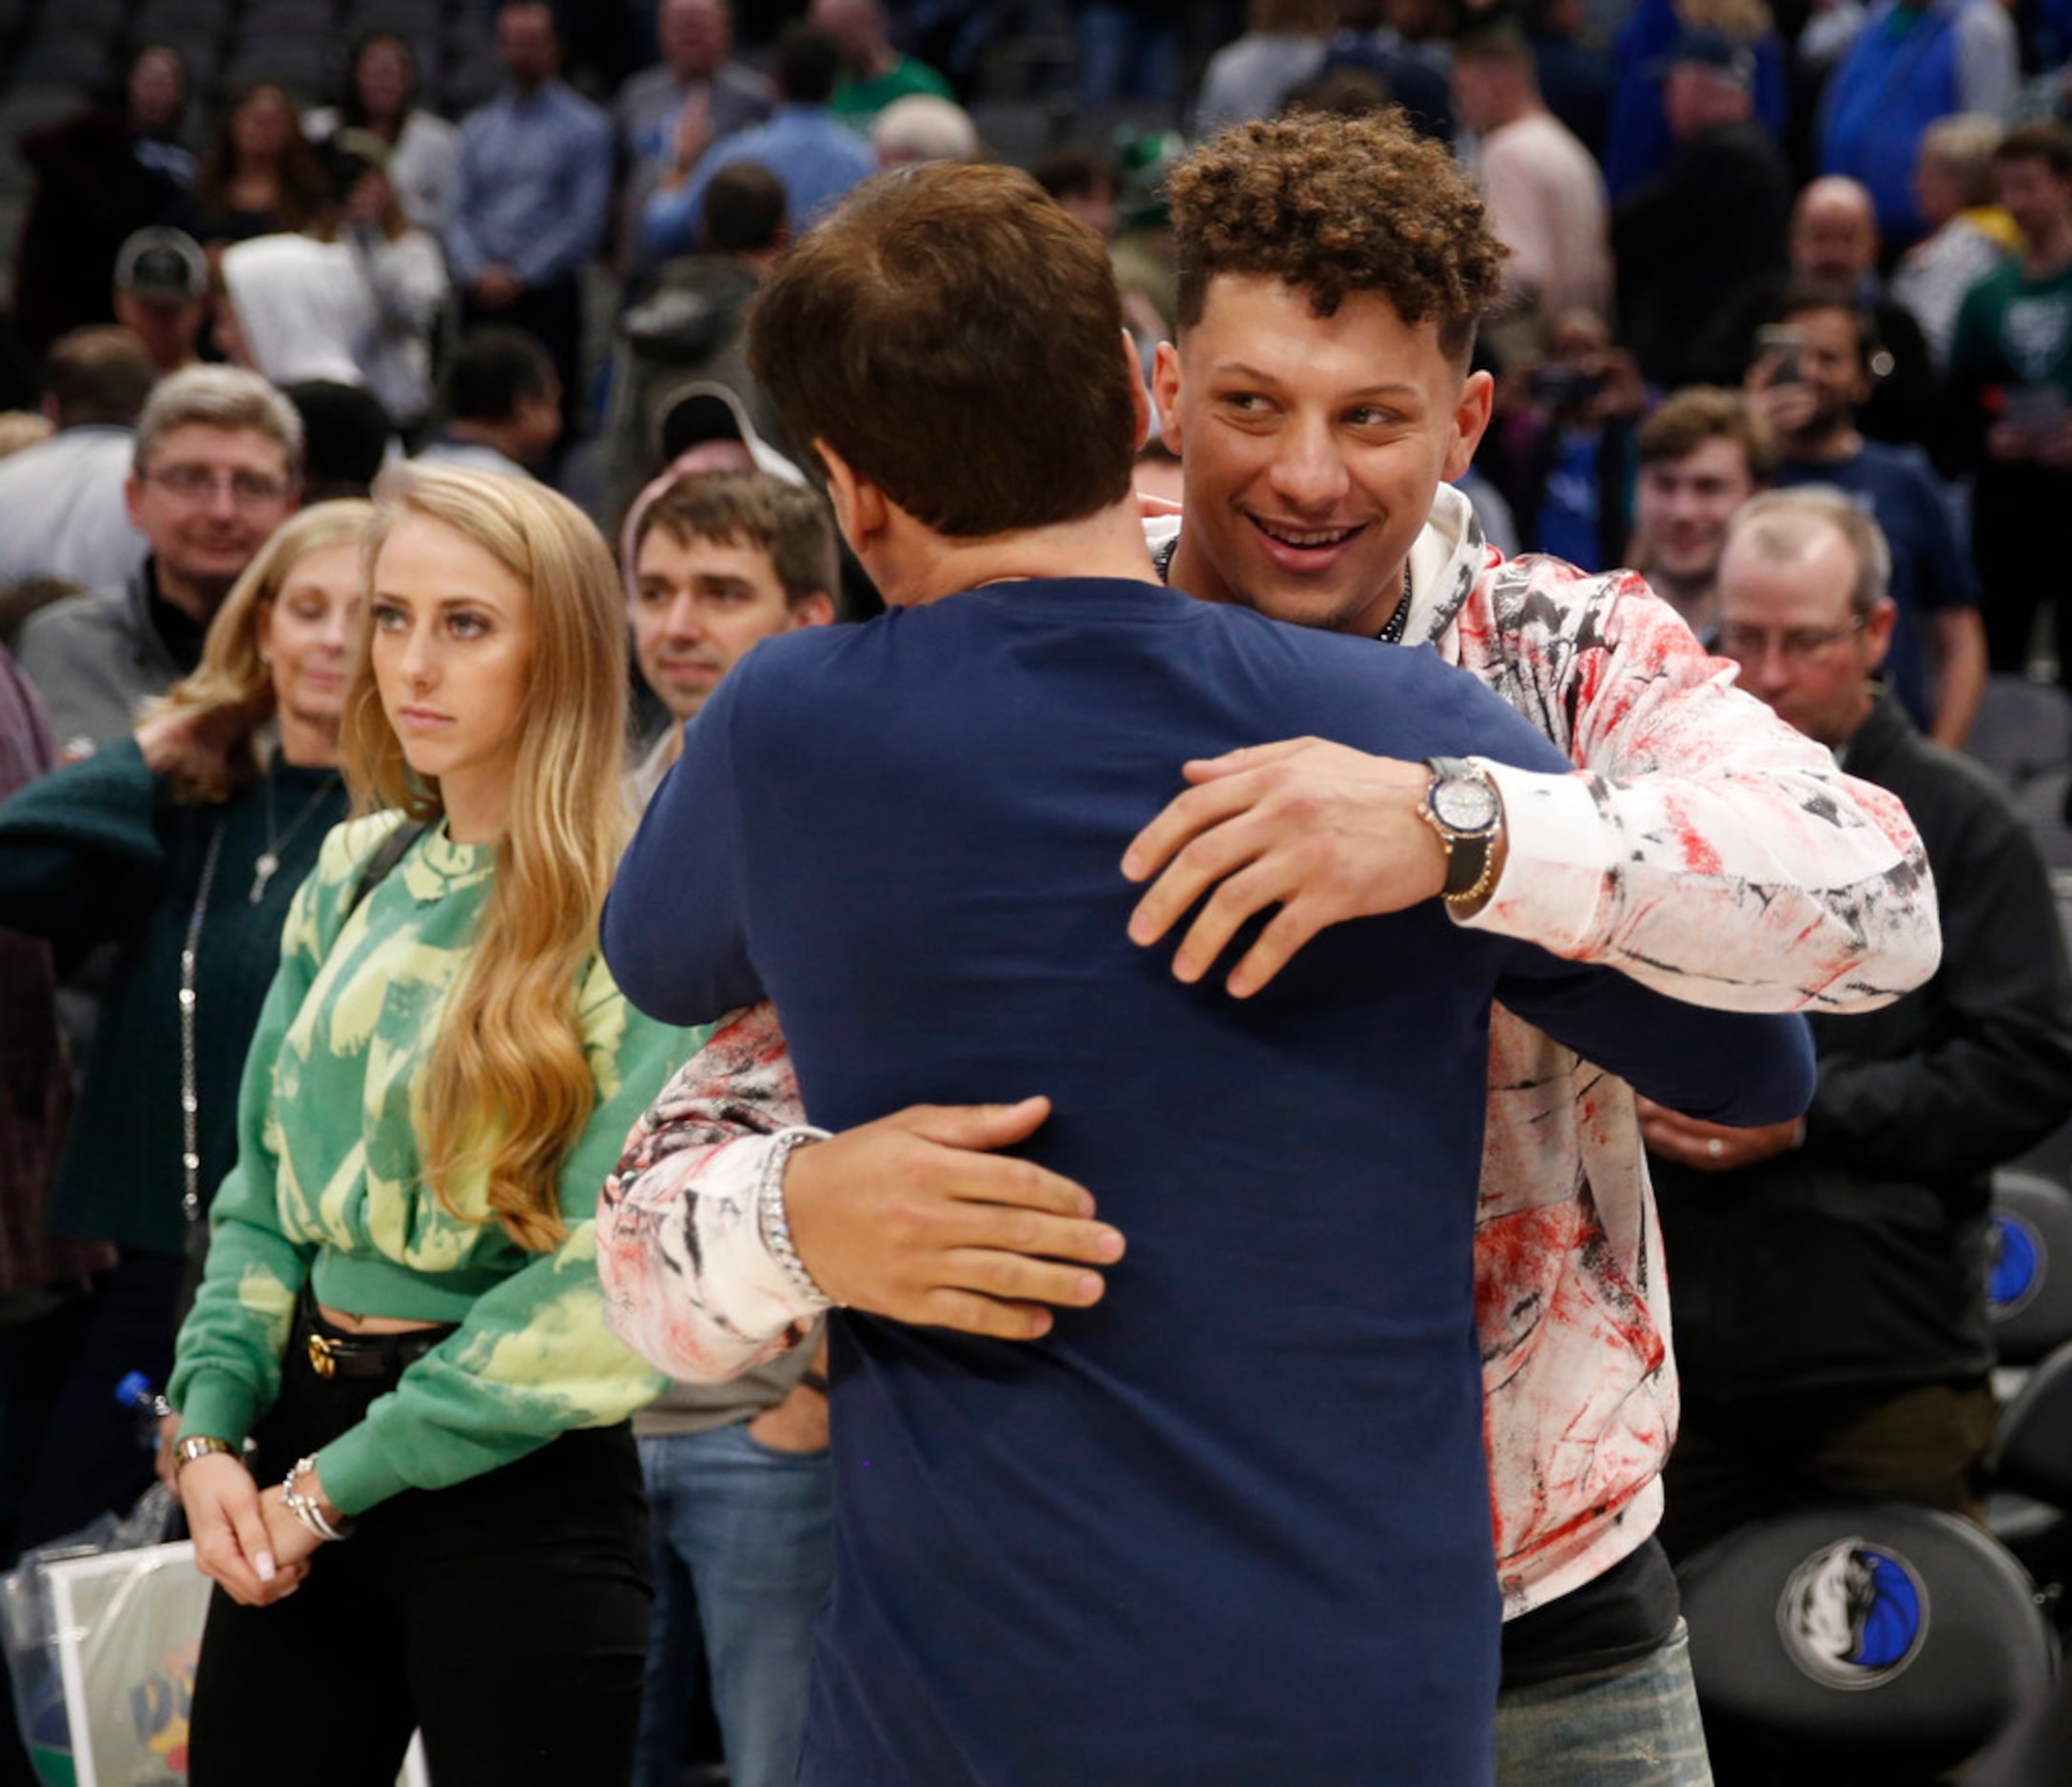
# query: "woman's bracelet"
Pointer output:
{"type": "Point", "coordinates": [306, 1508]}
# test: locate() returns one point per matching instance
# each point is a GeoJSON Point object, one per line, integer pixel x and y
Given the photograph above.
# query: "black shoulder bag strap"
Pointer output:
{"type": "Point", "coordinates": [394, 847]}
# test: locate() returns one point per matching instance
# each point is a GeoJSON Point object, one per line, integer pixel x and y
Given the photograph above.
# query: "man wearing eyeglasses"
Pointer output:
{"type": "Point", "coordinates": [218, 468]}
{"type": "Point", "coordinates": [1830, 1273]}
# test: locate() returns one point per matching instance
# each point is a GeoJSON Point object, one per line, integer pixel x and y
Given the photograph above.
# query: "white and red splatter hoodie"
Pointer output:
{"type": "Point", "coordinates": [1701, 845]}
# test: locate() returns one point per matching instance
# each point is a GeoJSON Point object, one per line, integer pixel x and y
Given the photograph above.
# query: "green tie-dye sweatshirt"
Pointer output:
{"type": "Point", "coordinates": [327, 1190]}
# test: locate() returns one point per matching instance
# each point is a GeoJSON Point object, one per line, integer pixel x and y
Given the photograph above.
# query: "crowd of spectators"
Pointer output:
{"type": "Point", "coordinates": [1679, 184]}
{"type": "Point", "coordinates": [1826, 248]}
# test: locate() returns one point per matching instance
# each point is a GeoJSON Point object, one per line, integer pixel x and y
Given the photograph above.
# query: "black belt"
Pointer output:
{"type": "Point", "coordinates": [371, 1355]}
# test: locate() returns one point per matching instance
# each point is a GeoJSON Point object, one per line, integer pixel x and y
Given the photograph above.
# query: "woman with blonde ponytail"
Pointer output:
{"type": "Point", "coordinates": [401, 1308]}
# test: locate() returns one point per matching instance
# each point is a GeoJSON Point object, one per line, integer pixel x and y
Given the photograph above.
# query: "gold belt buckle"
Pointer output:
{"type": "Point", "coordinates": [323, 1356]}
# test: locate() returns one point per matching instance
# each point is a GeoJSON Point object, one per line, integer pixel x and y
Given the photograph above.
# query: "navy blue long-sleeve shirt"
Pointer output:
{"type": "Point", "coordinates": [1232, 1523]}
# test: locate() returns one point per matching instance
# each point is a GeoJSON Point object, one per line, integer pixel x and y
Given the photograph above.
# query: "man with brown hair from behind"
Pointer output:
{"type": "Point", "coordinates": [1227, 1527]}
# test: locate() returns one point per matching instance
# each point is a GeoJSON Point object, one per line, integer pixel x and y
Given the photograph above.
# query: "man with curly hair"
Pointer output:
{"type": "Point", "coordinates": [1332, 274]}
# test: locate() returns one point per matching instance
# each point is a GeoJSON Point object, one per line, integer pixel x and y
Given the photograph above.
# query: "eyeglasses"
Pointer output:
{"type": "Point", "coordinates": [1797, 646]}
{"type": "Point", "coordinates": [197, 483]}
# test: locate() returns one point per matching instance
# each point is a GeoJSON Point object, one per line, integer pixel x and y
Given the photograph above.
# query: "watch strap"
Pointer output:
{"type": "Point", "coordinates": [1468, 854]}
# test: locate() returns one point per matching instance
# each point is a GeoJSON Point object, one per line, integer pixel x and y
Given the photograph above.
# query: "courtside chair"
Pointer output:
{"type": "Point", "coordinates": [1860, 1642]}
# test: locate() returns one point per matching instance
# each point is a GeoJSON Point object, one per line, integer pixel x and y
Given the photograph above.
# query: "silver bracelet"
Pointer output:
{"type": "Point", "coordinates": [769, 1216]}
{"type": "Point", "coordinates": [306, 1508]}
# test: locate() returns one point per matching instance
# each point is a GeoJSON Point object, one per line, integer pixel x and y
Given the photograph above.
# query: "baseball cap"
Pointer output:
{"type": "Point", "coordinates": [705, 411]}
{"type": "Point", "coordinates": [1725, 56]}
{"type": "Point", "coordinates": [160, 262]}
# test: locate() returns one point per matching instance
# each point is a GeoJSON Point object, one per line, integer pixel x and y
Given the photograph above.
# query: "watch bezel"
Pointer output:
{"type": "Point", "coordinates": [1450, 791]}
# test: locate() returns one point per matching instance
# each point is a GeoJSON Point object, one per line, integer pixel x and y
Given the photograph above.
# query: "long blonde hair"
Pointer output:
{"type": "Point", "coordinates": [232, 674]}
{"type": "Point", "coordinates": [509, 1087]}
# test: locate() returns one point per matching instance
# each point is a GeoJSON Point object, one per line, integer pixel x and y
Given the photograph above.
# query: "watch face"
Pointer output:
{"type": "Point", "coordinates": [1463, 804]}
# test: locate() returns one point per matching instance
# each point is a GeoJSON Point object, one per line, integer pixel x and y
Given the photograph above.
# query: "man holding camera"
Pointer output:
{"type": "Point", "coordinates": [1810, 377]}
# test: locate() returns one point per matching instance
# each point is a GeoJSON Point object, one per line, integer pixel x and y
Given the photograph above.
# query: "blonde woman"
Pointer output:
{"type": "Point", "coordinates": [179, 846]}
{"type": "Point", "coordinates": [401, 1306]}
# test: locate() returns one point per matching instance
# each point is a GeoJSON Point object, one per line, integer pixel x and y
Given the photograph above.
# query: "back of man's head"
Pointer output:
{"type": "Point", "coordinates": [744, 205]}
{"type": "Point", "coordinates": [97, 377]}
{"type": "Point", "coordinates": [957, 340]}
{"type": "Point", "coordinates": [493, 372]}
{"type": "Point", "coordinates": [924, 127]}
{"type": "Point", "coordinates": [345, 435]}
{"type": "Point", "coordinates": [1334, 207]}
{"type": "Point", "coordinates": [809, 64]}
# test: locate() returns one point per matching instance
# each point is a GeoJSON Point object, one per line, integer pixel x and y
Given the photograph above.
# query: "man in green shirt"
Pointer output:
{"type": "Point", "coordinates": [2011, 371]}
{"type": "Point", "coordinates": [874, 74]}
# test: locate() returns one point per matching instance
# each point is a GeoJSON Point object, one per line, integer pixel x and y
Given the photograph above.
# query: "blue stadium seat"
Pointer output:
{"type": "Point", "coordinates": [1861, 1642]}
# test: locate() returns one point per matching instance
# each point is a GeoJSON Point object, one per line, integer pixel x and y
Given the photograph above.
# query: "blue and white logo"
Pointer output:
{"type": "Point", "coordinates": [2016, 1269]}
{"type": "Point", "coordinates": [1854, 1614]}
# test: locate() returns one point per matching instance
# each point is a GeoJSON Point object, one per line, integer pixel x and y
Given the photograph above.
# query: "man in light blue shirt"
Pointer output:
{"type": "Point", "coordinates": [817, 157]}
{"type": "Point", "coordinates": [534, 194]}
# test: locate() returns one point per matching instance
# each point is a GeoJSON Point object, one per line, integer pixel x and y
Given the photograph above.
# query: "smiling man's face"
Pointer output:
{"type": "Point", "coordinates": [1311, 447]}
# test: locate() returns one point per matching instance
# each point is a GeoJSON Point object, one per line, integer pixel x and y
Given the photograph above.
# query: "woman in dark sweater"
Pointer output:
{"type": "Point", "coordinates": [181, 847]}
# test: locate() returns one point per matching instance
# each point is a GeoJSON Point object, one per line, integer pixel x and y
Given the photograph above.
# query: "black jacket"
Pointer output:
{"type": "Point", "coordinates": [1693, 244]}
{"type": "Point", "coordinates": [1860, 1258]}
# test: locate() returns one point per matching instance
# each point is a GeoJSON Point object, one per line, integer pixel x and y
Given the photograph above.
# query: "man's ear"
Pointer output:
{"type": "Point", "coordinates": [860, 507]}
{"type": "Point", "coordinates": [1165, 394]}
{"type": "Point", "coordinates": [814, 609]}
{"type": "Point", "coordinates": [1471, 419]}
{"type": "Point", "coordinates": [1878, 626]}
{"type": "Point", "coordinates": [1140, 401]}
{"type": "Point", "coordinates": [132, 495]}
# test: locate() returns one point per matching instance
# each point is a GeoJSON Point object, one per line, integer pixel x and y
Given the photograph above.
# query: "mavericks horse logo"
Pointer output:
{"type": "Point", "coordinates": [1854, 1614]}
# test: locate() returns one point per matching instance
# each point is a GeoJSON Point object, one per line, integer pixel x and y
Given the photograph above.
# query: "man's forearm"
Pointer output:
{"type": "Point", "coordinates": [1709, 850]}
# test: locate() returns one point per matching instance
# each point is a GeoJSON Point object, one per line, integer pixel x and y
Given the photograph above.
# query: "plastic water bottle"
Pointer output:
{"type": "Point", "coordinates": [135, 1392]}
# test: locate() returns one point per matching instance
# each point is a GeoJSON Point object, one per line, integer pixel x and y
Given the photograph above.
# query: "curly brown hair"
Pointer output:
{"type": "Point", "coordinates": [1336, 206]}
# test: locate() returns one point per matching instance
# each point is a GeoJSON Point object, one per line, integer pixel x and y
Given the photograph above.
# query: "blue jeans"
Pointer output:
{"type": "Point", "coordinates": [1632, 1725]}
{"type": "Point", "coordinates": [744, 1551]}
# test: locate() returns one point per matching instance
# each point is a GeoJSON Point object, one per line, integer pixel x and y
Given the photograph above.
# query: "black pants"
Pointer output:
{"type": "Point", "coordinates": [1751, 1461]}
{"type": "Point", "coordinates": [507, 1617]}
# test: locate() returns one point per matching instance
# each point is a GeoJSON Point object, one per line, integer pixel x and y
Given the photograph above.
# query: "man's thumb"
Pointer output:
{"type": "Point", "coordinates": [982, 1125]}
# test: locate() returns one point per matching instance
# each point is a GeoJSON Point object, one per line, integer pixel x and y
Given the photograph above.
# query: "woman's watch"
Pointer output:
{"type": "Point", "coordinates": [1461, 804]}
{"type": "Point", "coordinates": [199, 1445]}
